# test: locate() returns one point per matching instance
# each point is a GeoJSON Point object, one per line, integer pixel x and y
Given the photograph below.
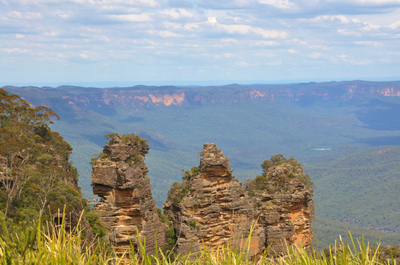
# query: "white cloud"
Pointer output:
{"type": "Point", "coordinates": [131, 17]}
{"type": "Point", "coordinates": [165, 33]}
{"type": "Point", "coordinates": [191, 26]}
{"type": "Point", "coordinates": [138, 3]}
{"type": "Point", "coordinates": [177, 13]}
{"type": "Point", "coordinates": [334, 18]}
{"type": "Point", "coordinates": [212, 20]}
{"type": "Point", "coordinates": [394, 25]}
{"type": "Point", "coordinates": [281, 4]}
{"type": "Point", "coordinates": [369, 27]}
{"type": "Point", "coordinates": [241, 64]}
{"type": "Point", "coordinates": [24, 15]}
{"type": "Point", "coordinates": [315, 55]}
{"type": "Point", "coordinates": [265, 43]}
{"type": "Point", "coordinates": [16, 50]}
{"type": "Point", "coordinates": [246, 29]}
{"type": "Point", "coordinates": [368, 43]}
{"type": "Point", "coordinates": [51, 33]}
{"type": "Point", "coordinates": [62, 14]}
{"type": "Point", "coordinates": [257, 34]}
{"type": "Point", "coordinates": [348, 32]}
{"type": "Point", "coordinates": [352, 60]}
{"type": "Point", "coordinates": [369, 2]}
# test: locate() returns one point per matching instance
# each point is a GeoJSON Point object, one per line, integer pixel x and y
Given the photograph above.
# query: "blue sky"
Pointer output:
{"type": "Point", "coordinates": [197, 42]}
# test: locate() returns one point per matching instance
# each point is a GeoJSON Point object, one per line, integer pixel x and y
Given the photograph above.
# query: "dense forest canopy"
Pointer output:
{"type": "Point", "coordinates": [36, 177]}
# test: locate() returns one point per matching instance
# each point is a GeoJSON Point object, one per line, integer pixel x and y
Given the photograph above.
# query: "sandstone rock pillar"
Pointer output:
{"type": "Point", "coordinates": [120, 178]}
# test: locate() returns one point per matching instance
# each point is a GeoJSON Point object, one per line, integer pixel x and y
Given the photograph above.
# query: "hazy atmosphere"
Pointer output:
{"type": "Point", "coordinates": [129, 42]}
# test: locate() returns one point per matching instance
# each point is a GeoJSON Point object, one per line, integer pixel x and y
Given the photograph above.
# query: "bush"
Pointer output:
{"type": "Point", "coordinates": [95, 223]}
{"type": "Point", "coordinates": [257, 186]}
{"type": "Point", "coordinates": [189, 174]}
{"type": "Point", "coordinates": [136, 159]}
{"type": "Point", "coordinates": [129, 139]}
{"type": "Point", "coordinates": [177, 192]}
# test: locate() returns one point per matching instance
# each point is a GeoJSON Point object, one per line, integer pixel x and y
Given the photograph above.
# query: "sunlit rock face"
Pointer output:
{"type": "Point", "coordinates": [127, 208]}
{"type": "Point", "coordinates": [285, 205]}
{"type": "Point", "coordinates": [210, 207]}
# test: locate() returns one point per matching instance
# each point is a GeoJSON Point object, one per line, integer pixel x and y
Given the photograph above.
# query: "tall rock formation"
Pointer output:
{"type": "Point", "coordinates": [210, 207]}
{"type": "Point", "coordinates": [120, 178]}
{"type": "Point", "coordinates": [285, 208]}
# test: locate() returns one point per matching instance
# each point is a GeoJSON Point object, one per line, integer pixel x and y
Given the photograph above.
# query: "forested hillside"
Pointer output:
{"type": "Point", "coordinates": [370, 175]}
{"type": "Point", "coordinates": [37, 180]}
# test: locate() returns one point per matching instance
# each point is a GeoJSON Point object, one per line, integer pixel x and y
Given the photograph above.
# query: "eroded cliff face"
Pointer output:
{"type": "Point", "coordinates": [283, 197]}
{"type": "Point", "coordinates": [120, 178]}
{"type": "Point", "coordinates": [210, 207]}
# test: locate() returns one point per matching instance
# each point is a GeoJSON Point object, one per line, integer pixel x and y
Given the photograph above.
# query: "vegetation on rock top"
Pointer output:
{"type": "Point", "coordinates": [278, 174]}
{"type": "Point", "coordinates": [129, 139]}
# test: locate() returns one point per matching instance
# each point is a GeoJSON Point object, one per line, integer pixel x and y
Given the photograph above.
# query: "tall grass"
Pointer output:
{"type": "Point", "coordinates": [55, 245]}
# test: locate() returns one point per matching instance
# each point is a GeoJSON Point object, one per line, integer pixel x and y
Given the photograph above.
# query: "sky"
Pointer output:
{"type": "Point", "coordinates": [129, 42]}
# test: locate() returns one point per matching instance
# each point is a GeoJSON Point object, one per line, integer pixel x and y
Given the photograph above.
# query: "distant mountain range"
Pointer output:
{"type": "Point", "coordinates": [336, 129]}
{"type": "Point", "coordinates": [147, 96]}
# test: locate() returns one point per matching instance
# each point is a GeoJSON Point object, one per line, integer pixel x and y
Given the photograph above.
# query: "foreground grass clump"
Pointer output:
{"type": "Point", "coordinates": [55, 245]}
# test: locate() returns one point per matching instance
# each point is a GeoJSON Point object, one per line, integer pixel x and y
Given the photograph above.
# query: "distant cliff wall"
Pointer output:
{"type": "Point", "coordinates": [78, 98]}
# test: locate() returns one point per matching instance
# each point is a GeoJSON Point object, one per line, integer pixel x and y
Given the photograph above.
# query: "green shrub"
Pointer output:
{"type": "Point", "coordinates": [177, 192]}
{"type": "Point", "coordinates": [189, 174]}
{"type": "Point", "coordinates": [135, 158]}
{"type": "Point", "coordinates": [129, 139]}
{"type": "Point", "coordinates": [257, 186]}
{"type": "Point", "coordinates": [95, 223]}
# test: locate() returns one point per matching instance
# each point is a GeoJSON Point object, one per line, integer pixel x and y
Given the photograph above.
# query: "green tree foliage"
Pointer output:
{"type": "Point", "coordinates": [189, 174]}
{"type": "Point", "coordinates": [177, 192]}
{"type": "Point", "coordinates": [36, 177]}
{"type": "Point", "coordinates": [132, 139]}
{"type": "Point", "coordinates": [267, 183]}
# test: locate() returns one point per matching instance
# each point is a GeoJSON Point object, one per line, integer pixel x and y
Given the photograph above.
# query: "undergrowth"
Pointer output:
{"type": "Point", "coordinates": [55, 245]}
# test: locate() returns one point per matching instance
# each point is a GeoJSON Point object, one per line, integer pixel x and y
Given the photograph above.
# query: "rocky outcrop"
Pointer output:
{"type": "Point", "coordinates": [120, 178]}
{"type": "Point", "coordinates": [283, 197]}
{"type": "Point", "coordinates": [210, 207]}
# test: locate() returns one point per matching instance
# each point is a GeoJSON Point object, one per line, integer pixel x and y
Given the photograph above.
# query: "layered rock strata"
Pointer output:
{"type": "Point", "coordinates": [210, 207]}
{"type": "Point", "coordinates": [120, 178]}
{"type": "Point", "coordinates": [283, 198]}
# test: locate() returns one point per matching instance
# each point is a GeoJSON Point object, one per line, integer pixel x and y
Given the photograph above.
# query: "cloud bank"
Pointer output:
{"type": "Point", "coordinates": [162, 40]}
